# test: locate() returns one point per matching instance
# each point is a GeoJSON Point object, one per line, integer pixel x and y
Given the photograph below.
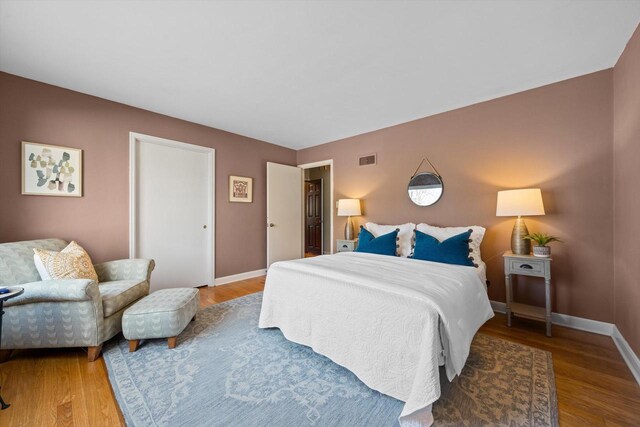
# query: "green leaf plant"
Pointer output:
{"type": "Point", "coordinates": [541, 239]}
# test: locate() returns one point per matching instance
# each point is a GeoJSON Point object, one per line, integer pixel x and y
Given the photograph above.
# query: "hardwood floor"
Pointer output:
{"type": "Point", "coordinates": [59, 387]}
{"type": "Point", "coordinates": [594, 385]}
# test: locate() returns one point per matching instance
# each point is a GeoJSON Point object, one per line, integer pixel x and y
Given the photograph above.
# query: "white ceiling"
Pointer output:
{"type": "Point", "coordinates": [303, 73]}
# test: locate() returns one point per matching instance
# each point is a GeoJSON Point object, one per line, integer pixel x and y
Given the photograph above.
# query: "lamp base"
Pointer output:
{"type": "Point", "coordinates": [520, 246]}
{"type": "Point", "coordinates": [348, 229]}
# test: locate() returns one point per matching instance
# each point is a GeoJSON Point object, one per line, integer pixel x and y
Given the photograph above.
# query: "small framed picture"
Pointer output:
{"type": "Point", "coordinates": [49, 170]}
{"type": "Point", "coordinates": [240, 189]}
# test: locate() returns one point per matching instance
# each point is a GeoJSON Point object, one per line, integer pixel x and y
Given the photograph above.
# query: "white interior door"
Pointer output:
{"type": "Point", "coordinates": [172, 210]}
{"type": "Point", "coordinates": [284, 213]}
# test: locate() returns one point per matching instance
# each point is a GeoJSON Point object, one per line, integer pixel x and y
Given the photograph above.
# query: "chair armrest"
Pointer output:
{"type": "Point", "coordinates": [56, 291]}
{"type": "Point", "coordinates": [125, 269]}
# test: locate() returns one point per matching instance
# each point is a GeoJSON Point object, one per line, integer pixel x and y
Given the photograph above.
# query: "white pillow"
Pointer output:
{"type": "Point", "coordinates": [443, 233]}
{"type": "Point", "coordinates": [405, 234]}
{"type": "Point", "coordinates": [73, 262]}
{"type": "Point", "coordinates": [42, 271]}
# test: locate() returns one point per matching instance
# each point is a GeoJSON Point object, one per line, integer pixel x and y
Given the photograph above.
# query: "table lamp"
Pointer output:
{"type": "Point", "coordinates": [523, 202]}
{"type": "Point", "coordinates": [349, 208]}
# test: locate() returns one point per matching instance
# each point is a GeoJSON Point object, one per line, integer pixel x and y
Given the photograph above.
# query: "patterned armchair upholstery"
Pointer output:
{"type": "Point", "coordinates": [66, 313]}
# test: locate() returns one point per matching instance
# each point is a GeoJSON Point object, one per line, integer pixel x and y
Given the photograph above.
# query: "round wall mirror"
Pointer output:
{"type": "Point", "coordinates": [425, 188]}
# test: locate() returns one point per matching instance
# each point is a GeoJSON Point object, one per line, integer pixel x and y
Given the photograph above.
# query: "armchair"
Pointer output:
{"type": "Point", "coordinates": [66, 313]}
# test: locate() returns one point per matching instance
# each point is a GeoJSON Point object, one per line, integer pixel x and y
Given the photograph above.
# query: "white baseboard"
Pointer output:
{"type": "Point", "coordinates": [627, 353]}
{"type": "Point", "coordinates": [241, 276]}
{"type": "Point", "coordinates": [594, 326]}
{"type": "Point", "coordinates": [573, 322]}
{"type": "Point", "coordinates": [499, 307]}
{"type": "Point", "coordinates": [582, 324]}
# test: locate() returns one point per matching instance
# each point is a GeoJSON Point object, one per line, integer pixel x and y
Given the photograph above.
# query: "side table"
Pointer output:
{"type": "Point", "coordinates": [14, 292]}
{"type": "Point", "coordinates": [527, 265]}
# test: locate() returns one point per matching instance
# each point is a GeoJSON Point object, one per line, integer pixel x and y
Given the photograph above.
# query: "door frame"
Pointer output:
{"type": "Point", "coordinates": [137, 138]}
{"type": "Point", "coordinates": [304, 166]}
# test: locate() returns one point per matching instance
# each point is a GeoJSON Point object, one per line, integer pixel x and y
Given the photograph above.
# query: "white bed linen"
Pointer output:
{"type": "Point", "coordinates": [389, 320]}
{"type": "Point", "coordinates": [482, 272]}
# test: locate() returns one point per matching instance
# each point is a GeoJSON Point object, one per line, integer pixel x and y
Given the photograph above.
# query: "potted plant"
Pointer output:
{"type": "Point", "coordinates": [540, 249]}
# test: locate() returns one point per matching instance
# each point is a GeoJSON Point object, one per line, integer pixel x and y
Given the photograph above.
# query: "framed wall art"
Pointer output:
{"type": "Point", "coordinates": [240, 189]}
{"type": "Point", "coordinates": [50, 170]}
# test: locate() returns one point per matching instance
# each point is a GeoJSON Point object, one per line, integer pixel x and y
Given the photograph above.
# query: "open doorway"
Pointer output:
{"type": "Point", "coordinates": [313, 216]}
{"type": "Point", "coordinates": [317, 202]}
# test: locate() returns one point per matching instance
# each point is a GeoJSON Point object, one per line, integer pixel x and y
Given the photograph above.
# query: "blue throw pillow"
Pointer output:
{"type": "Point", "coordinates": [454, 250]}
{"type": "Point", "coordinates": [381, 245]}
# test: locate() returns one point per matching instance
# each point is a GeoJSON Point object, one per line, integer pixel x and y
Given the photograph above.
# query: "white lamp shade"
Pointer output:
{"type": "Point", "coordinates": [349, 207]}
{"type": "Point", "coordinates": [523, 202]}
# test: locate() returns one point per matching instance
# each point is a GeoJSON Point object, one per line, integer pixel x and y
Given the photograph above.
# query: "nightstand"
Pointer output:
{"type": "Point", "coordinates": [347, 245]}
{"type": "Point", "coordinates": [528, 265]}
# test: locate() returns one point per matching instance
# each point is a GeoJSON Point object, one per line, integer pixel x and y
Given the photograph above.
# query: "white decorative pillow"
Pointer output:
{"type": "Point", "coordinates": [72, 262]}
{"type": "Point", "coordinates": [443, 233]}
{"type": "Point", "coordinates": [42, 271]}
{"type": "Point", "coordinates": [405, 234]}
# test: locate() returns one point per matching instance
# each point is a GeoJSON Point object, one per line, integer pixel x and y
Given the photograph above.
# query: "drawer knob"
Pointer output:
{"type": "Point", "coordinates": [526, 266]}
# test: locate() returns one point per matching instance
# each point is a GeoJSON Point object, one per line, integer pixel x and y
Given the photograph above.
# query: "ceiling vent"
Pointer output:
{"type": "Point", "coordinates": [368, 160]}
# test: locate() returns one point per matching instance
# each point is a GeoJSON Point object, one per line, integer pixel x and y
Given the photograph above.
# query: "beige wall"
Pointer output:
{"type": "Point", "coordinates": [562, 138]}
{"type": "Point", "coordinates": [39, 112]}
{"type": "Point", "coordinates": [557, 137]}
{"type": "Point", "coordinates": [626, 158]}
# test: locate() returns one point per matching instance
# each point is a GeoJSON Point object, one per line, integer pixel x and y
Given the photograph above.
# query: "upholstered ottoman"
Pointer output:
{"type": "Point", "coordinates": [162, 314]}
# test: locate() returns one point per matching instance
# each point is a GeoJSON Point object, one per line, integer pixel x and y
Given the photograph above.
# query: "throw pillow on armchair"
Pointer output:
{"type": "Point", "coordinates": [73, 262]}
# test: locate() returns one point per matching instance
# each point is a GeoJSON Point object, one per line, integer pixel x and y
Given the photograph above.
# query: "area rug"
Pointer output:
{"type": "Point", "coordinates": [227, 372]}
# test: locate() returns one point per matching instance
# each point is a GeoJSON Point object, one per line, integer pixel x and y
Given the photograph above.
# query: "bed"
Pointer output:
{"type": "Point", "coordinates": [392, 321]}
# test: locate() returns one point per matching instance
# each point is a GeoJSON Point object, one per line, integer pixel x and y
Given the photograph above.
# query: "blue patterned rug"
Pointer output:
{"type": "Point", "coordinates": [227, 372]}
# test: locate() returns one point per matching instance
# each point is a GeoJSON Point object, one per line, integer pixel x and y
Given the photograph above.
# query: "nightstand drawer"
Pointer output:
{"type": "Point", "coordinates": [528, 267]}
{"type": "Point", "coordinates": [347, 245]}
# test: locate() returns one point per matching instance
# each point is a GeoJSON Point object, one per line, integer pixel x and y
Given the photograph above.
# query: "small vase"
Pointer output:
{"type": "Point", "coordinates": [542, 251]}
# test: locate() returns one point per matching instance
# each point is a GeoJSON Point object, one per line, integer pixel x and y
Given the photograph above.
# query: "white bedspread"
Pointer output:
{"type": "Point", "coordinates": [388, 320]}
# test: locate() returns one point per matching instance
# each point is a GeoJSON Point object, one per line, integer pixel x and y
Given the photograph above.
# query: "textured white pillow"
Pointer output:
{"type": "Point", "coordinates": [73, 262]}
{"type": "Point", "coordinates": [443, 233]}
{"type": "Point", "coordinates": [405, 234]}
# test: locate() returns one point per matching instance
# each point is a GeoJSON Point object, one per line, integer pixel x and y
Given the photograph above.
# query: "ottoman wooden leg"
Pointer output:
{"type": "Point", "coordinates": [193, 318]}
{"type": "Point", "coordinates": [133, 345]}
{"type": "Point", "coordinates": [172, 341]}
{"type": "Point", "coordinates": [93, 353]}
{"type": "Point", "coordinates": [5, 355]}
